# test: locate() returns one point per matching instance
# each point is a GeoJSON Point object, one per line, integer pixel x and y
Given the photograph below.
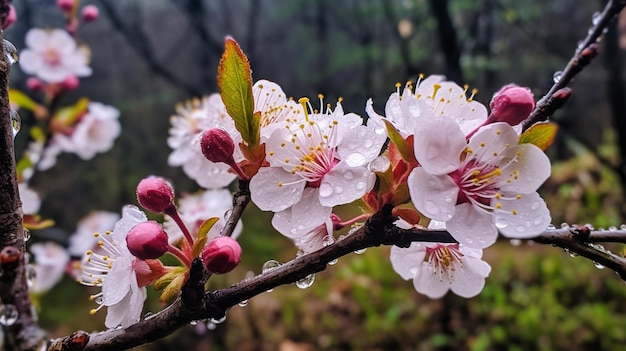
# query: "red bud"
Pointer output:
{"type": "Point", "coordinates": [221, 255]}
{"type": "Point", "coordinates": [147, 240]}
{"type": "Point", "coordinates": [90, 13]}
{"type": "Point", "coordinates": [155, 194]}
{"type": "Point", "coordinates": [217, 146]}
{"type": "Point", "coordinates": [511, 104]}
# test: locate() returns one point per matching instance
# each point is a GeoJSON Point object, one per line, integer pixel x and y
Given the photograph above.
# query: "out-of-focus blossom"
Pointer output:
{"type": "Point", "coordinates": [95, 222]}
{"type": "Point", "coordinates": [50, 262]}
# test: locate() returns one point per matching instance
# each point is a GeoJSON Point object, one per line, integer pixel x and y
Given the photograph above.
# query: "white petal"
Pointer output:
{"type": "Point", "coordinates": [428, 283]}
{"type": "Point", "coordinates": [302, 217]}
{"type": "Point", "coordinates": [433, 195]}
{"type": "Point", "coordinates": [406, 261]}
{"type": "Point", "coordinates": [491, 141]}
{"type": "Point", "coordinates": [131, 216]}
{"type": "Point", "coordinates": [345, 184]}
{"type": "Point", "coordinates": [530, 218]}
{"type": "Point", "coordinates": [274, 189]}
{"type": "Point", "coordinates": [116, 284]}
{"type": "Point", "coordinates": [471, 280]}
{"type": "Point", "coordinates": [471, 227]}
{"type": "Point", "coordinates": [361, 144]}
{"type": "Point", "coordinates": [531, 165]}
{"type": "Point", "coordinates": [438, 144]}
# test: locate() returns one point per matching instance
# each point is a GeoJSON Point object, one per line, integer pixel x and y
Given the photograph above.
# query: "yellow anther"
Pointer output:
{"type": "Point", "coordinates": [280, 184]}
{"type": "Point", "coordinates": [436, 87]}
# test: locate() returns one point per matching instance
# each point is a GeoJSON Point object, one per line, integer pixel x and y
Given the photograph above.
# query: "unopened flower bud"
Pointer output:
{"type": "Point", "coordinates": [221, 255]}
{"type": "Point", "coordinates": [11, 18]}
{"type": "Point", "coordinates": [155, 194]}
{"type": "Point", "coordinates": [70, 83]}
{"type": "Point", "coordinates": [90, 13]}
{"type": "Point", "coordinates": [147, 240]}
{"type": "Point", "coordinates": [66, 5]}
{"type": "Point", "coordinates": [34, 84]}
{"type": "Point", "coordinates": [511, 104]}
{"type": "Point", "coordinates": [217, 145]}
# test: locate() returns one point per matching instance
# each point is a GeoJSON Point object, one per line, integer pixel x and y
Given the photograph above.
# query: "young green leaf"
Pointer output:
{"type": "Point", "coordinates": [202, 238]}
{"type": "Point", "coordinates": [234, 78]}
{"type": "Point", "coordinates": [541, 134]}
{"type": "Point", "coordinates": [404, 147]}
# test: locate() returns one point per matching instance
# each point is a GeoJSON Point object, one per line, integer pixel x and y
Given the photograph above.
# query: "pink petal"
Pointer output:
{"type": "Point", "coordinates": [438, 144]}
{"type": "Point", "coordinates": [274, 189]}
{"type": "Point", "coordinates": [531, 216]}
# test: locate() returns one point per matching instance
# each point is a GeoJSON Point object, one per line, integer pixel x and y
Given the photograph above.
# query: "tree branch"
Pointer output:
{"type": "Point", "coordinates": [584, 53]}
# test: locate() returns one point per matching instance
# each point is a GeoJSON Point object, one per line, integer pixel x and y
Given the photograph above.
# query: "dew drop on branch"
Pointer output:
{"type": "Point", "coordinates": [11, 52]}
{"type": "Point", "coordinates": [218, 320]}
{"type": "Point", "coordinates": [16, 122]}
{"type": "Point", "coordinates": [596, 17]}
{"type": "Point", "coordinates": [598, 265]}
{"type": "Point", "coordinates": [26, 234]}
{"type": "Point", "coordinates": [243, 303]}
{"type": "Point", "coordinates": [306, 282]}
{"type": "Point", "coordinates": [31, 275]}
{"type": "Point", "coordinates": [8, 315]}
{"type": "Point", "coordinates": [556, 77]}
{"type": "Point", "coordinates": [515, 242]}
{"type": "Point", "coordinates": [359, 252]}
{"type": "Point", "coordinates": [550, 227]}
{"type": "Point", "coordinates": [269, 266]}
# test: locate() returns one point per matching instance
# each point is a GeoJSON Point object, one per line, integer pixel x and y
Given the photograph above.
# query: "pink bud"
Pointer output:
{"type": "Point", "coordinates": [147, 240]}
{"type": "Point", "coordinates": [90, 13]}
{"type": "Point", "coordinates": [11, 18]}
{"type": "Point", "coordinates": [221, 255]}
{"type": "Point", "coordinates": [155, 194]}
{"type": "Point", "coordinates": [66, 5]}
{"type": "Point", "coordinates": [217, 145]}
{"type": "Point", "coordinates": [34, 84]}
{"type": "Point", "coordinates": [511, 104]}
{"type": "Point", "coordinates": [70, 83]}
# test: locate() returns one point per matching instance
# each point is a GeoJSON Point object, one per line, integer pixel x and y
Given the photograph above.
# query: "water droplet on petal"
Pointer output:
{"type": "Point", "coordinates": [8, 315]}
{"type": "Point", "coordinates": [538, 220]}
{"type": "Point", "coordinates": [11, 52]}
{"type": "Point", "coordinates": [520, 228]}
{"type": "Point", "coordinates": [535, 205]}
{"type": "Point", "coordinates": [16, 122]}
{"type": "Point", "coordinates": [338, 190]}
{"type": "Point", "coordinates": [361, 185]}
{"type": "Point", "coordinates": [556, 77]}
{"type": "Point", "coordinates": [306, 282]}
{"type": "Point", "coordinates": [501, 223]}
{"type": "Point", "coordinates": [355, 159]}
{"type": "Point", "coordinates": [379, 164]}
{"type": "Point", "coordinates": [348, 175]}
{"type": "Point", "coordinates": [550, 227]}
{"type": "Point", "coordinates": [564, 225]}
{"type": "Point", "coordinates": [243, 303]}
{"type": "Point", "coordinates": [325, 190]}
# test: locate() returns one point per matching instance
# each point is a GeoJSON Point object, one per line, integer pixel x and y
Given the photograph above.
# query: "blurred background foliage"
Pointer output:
{"type": "Point", "coordinates": [150, 54]}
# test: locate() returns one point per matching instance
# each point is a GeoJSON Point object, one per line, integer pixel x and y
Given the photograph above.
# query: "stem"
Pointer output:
{"type": "Point", "coordinates": [180, 255]}
{"type": "Point", "coordinates": [173, 213]}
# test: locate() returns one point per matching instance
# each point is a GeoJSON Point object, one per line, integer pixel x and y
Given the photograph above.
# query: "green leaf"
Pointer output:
{"type": "Point", "coordinates": [202, 238]}
{"type": "Point", "coordinates": [173, 289]}
{"type": "Point", "coordinates": [22, 100]}
{"type": "Point", "coordinates": [67, 116]}
{"type": "Point", "coordinates": [168, 277]}
{"type": "Point", "coordinates": [37, 134]}
{"type": "Point", "coordinates": [234, 78]}
{"type": "Point", "coordinates": [404, 147]}
{"type": "Point", "coordinates": [541, 134]}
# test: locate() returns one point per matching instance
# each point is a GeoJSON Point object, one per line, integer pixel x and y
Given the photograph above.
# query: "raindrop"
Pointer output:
{"type": "Point", "coordinates": [227, 213]}
{"type": "Point", "coordinates": [243, 303]}
{"type": "Point", "coordinates": [338, 190]}
{"type": "Point", "coordinates": [469, 240]}
{"type": "Point", "coordinates": [193, 323]}
{"type": "Point", "coordinates": [31, 275]}
{"type": "Point", "coordinates": [431, 207]}
{"type": "Point", "coordinates": [598, 266]}
{"type": "Point", "coordinates": [572, 254]}
{"type": "Point", "coordinates": [360, 252]}
{"type": "Point", "coordinates": [379, 130]}
{"type": "Point", "coordinates": [368, 143]}
{"type": "Point", "coordinates": [501, 223]}
{"type": "Point", "coordinates": [16, 122]}
{"type": "Point", "coordinates": [595, 18]}
{"type": "Point", "coordinates": [516, 242]}
{"type": "Point", "coordinates": [99, 300]}
{"type": "Point", "coordinates": [550, 227]}
{"type": "Point", "coordinates": [355, 159]}
{"type": "Point", "coordinates": [360, 185]}
{"type": "Point", "coordinates": [8, 315]}
{"type": "Point", "coordinates": [535, 205]}
{"type": "Point", "coordinates": [333, 262]}
{"type": "Point", "coordinates": [26, 234]}
{"type": "Point", "coordinates": [580, 45]}
{"type": "Point", "coordinates": [379, 164]}
{"type": "Point", "coordinates": [564, 225]}
{"type": "Point", "coordinates": [270, 265]}
{"type": "Point", "coordinates": [348, 175]}
{"type": "Point", "coordinates": [538, 220]}
{"type": "Point", "coordinates": [556, 77]}
{"type": "Point", "coordinates": [520, 228]}
{"type": "Point", "coordinates": [590, 226]}
{"type": "Point", "coordinates": [211, 326]}
{"type": "Point", "coordinates": [622, 227]}
{"type": "Point", "coordinates": [612, 228]}
{"type": "Point", "coordinates": [306, 282]}
{"type": "Point", "coordinates": [325, 190]}
{"type": "Point", "coordinates": [11, 52]}
{"type": "Point", "coordinates": [218, 320]}
{"type": "Point", "coordinates": [148, 315]}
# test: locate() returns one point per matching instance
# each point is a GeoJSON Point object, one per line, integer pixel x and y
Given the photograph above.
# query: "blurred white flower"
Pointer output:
{"type": "Point", "coordinates": [95, 222]}
{"type": "Point", "coordinates": [50, 263]}
{"type": "Point", "coordinates": [30, 199]}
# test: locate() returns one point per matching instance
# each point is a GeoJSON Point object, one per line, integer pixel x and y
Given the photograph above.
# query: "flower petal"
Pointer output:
{"type": "Point", "coordinates": [471, 227]}
{"type": "Point", "coordinates": [405, 261]}
{"type": "Point", "coordinates": [433, 195]}
{"type": "Point", "coordinates": [274, 189]}
{"type": "Point", "coordinates": [438, 144]}
{"type": "Point", "coordinates": [521, 218]}
{"type": "Point", "coordinates": [528, 170]}
{"type": "Point", "coordinates": [116, 283]}
{"type": "Point", "coordinates": [430, 284]}
{"type": "Point", "coordinates": [303, 216]}
{"type": "Point", "coordinates": [471, 280]}
{"type": "Point", "coordinates": [344, 184]}
{"type": "Point", "coordinates": [491, 141]}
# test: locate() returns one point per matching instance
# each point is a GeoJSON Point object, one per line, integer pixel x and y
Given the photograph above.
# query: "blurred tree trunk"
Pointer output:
{"type": "Point", "coordinates": [613, 63]}
{"type": "Point", "coordinates": [447, 40]}
{"type": "Point", "coordinates": [481, 30]}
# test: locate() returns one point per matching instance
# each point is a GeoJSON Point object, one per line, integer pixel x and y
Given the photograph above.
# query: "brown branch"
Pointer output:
{"type": "Point", "coordinates": [24, 333]}
{"type": "Point", "coordinates": [584, 53]}
{"type": "Point", "coordinates": [240, 202]}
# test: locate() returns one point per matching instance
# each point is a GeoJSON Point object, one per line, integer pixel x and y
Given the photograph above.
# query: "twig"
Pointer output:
{"type": "Point", "coordinates": [585, 52]}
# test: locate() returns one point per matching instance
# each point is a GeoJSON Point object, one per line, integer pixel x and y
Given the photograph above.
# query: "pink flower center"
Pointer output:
{"type": "Point", "coordinates": [444, 259]}
{"type": "Point", "coordinates": [52, 57]}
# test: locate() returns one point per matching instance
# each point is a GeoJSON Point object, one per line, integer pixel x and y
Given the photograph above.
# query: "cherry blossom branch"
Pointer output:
{"type": "Point", "coordinates": [240, 202]}
{"type": "Point", "coordinates": [585, 52]}
{"type": "Point", "coordinates": [23, 333]}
